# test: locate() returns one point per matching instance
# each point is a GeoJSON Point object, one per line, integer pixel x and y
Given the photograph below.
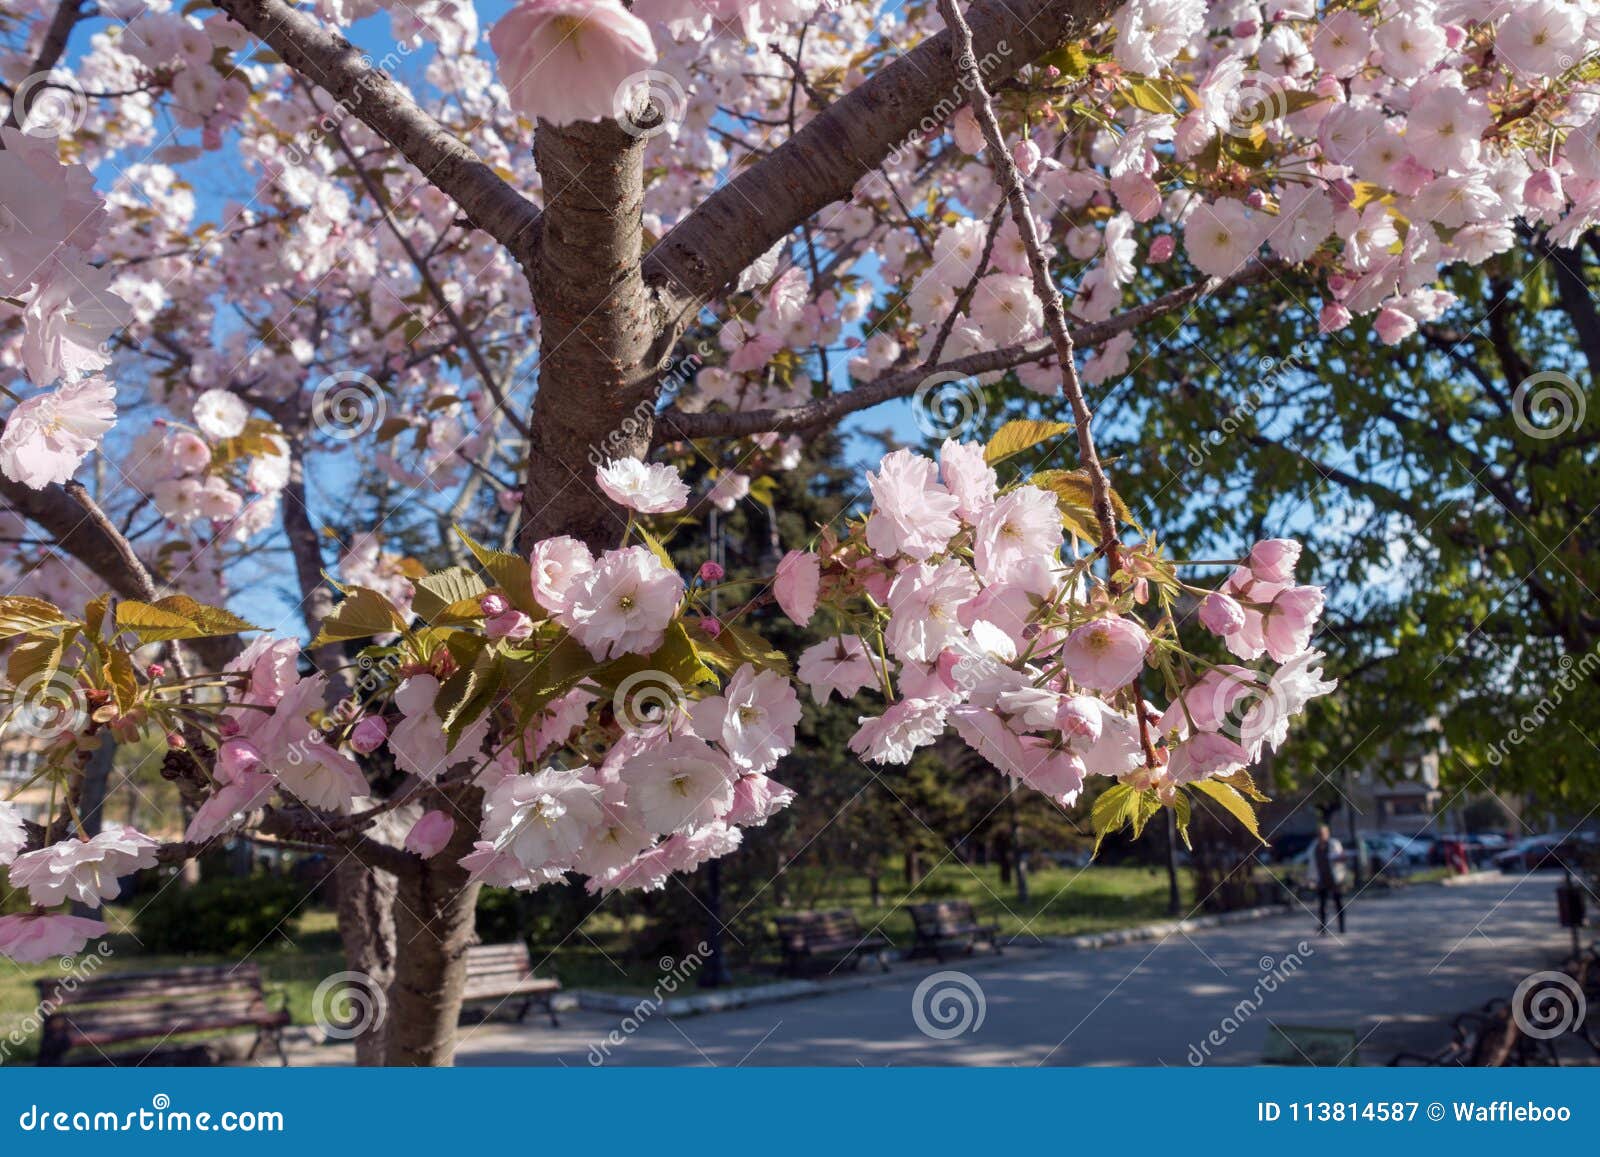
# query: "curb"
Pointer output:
{"type": "Point", "coordinates": [783, 991]}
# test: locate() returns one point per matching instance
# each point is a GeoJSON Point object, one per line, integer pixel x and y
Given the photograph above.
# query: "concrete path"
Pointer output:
{"type": "Point", "coordinates": [1406, 966]}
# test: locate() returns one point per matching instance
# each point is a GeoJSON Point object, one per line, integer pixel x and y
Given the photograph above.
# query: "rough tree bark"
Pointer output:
{"type": "Point", "coordinates": [598, 339]}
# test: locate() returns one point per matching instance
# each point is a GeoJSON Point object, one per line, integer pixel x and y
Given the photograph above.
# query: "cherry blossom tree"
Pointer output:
{"type": "Point", "coordinates": [524, 289]}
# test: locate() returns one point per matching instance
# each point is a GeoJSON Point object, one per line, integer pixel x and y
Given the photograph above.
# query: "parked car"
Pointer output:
{"type": "Point", "coordinates": [1550, 850]}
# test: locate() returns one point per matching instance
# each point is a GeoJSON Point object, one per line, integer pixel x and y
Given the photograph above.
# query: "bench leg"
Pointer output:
{"type": "Point", "coordinates": [522, 1013]}
{"type": "Point", "coordinates": [550, 1008]}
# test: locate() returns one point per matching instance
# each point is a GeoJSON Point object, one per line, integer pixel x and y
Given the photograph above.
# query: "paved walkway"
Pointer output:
{"type": "Point", "coordinates": [1407, 965]}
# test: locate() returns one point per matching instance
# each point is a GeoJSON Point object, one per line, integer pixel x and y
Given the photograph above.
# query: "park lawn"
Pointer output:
{"type": "Point", "coordinates": [289, 971]}
{"type": "Point", "coordinates": [1062, 902]}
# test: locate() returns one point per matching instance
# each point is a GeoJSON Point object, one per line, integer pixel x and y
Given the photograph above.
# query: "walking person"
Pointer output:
{"type": "Point", "coordinates": [1327, 858]}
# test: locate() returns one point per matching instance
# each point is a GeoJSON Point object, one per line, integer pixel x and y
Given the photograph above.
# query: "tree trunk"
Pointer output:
{"type": "Point", "coordinates": [434, 923]}
{"type": "Point", "coordinates": [597, 331]}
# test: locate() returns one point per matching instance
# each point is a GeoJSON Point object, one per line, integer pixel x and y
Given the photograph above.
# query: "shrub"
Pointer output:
{"type": "Point", "coordinates": [228, 916]}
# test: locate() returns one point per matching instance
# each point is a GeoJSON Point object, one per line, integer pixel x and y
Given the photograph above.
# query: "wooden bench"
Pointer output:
{"type": "Point", "coordinates": [500, 972]}
{"type": "Point", "coordinates": [1489, 1038]}
{"type": "Point", "coordinates": [945, 924]}
{"type": "Point", "coordinates": [156, 1008]}
{"type": "Point", "coordinates": [832, 935]}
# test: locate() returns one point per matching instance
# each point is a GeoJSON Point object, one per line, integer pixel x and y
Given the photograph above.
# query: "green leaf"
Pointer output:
{"type": "Point", "coordinates": [734, 646]}
{"type": "Point", "coordinates": [120, 677]}
{"type": "Point", "coordinates": [440, 597]}
{"type": "Point", "coordinates": [212, 620]}
{"type": "Point", "coordinates": [177, 617]}
{"type": "Point", "coordinates": [33, 656]}
{"type": "Point", "coordinates": [511, 575]}
{"type": "Point", "coordinates": [362, 614]}
{"type": "Point", "coordinates": [1018, 435]}
{"type": "Point", "coordinates": [656, 548]}
{"type": "Point", "coordinates": [20, 615]}
{"type": "Point", "coordinates": [1076, 493]}
{"type": "Point", "coordinates": [1232, 802]}
{"type": "Point", "coordinates": [677, 657]}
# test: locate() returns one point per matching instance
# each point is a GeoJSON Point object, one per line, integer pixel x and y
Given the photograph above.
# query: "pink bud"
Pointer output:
{"type": "Point", "coordinates": [509, 624]}
{"type": "Point", "coordinates": [237, 756]}
{"type": "Point", "coordinates": [369, 734]}
{"type": "Point", "coordinates": [429, 835]}
{"type": "Point", "coordinates": [155, 670]}
{"type": "Point", "coordinates": [227, 727]}
{"type": "Point", "coordinates": [710, 572]}
{"type": "Point", "coordinates": [1079, 718]}
{"type": "Point", "coordinates": [1245, 29]}
{"type": "Point", "coordinates": [1333, 317]}
{"type": "Point", "coordinates": [1454, 36]}
{"type": "Point", "coordinates": [176, 741]}
{"type": "Point", "coordinates": [1343, 191]}
{"type": "Point", "coordinates": [1025, 155]}
{"type": "Point", "coordinates": [1162, 248]}
{"type": "Point", "coordinates": [1052, 71]}
{"type": "Point", "coordinates": [493, 604]}
{"type": "Point", "coordinates": [852, 343]}
{"type": "Point", "coordinates": [1256, 199]}
{"type": "Point", "coordinates": [1272, 560]}
{"type": "Point", "coordinates": [1221, 614]}
{"type": "Point", "coordinates": [710, 626]}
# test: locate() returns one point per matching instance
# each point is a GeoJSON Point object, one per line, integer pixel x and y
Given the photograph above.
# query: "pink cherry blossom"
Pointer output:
{"type": "Point", "coordinates": [894, 736]}
{"type": "Point", "coordinates": [85, 871]}
{"type": "Point", "coordinates": [624, 604]}
{"type": "Point", "coordinates": [1023, 526]}
{"type": "Point", "coordinates": [430, 834]}
{"type": "Point", "coordinates": [47, 436]}
{"type": "Point", "coordinates": [33, 938]}
{"type": "Point", "coordinates": [1221, 614]}
{"type": "Point", "coordinates": [839, 665]}
{"type": "Point", "coordinates": [753, 719]}
{"type": "Point", "coordinates": [1106, 654]}
{"type": "Point", "coordinates": [1272, 560]}
{"type": "Point", "coordinates": [651, 488]}
{"type": "Point", "coordinates": [680, 784]}
{"type": "Point", "coordinates": [557, 563]}
{"type": "Point", "coordinates": [564, 60]}
{"type": "Point", "coordinates": [912, 514]}
{"type": "Point", "coordinates": [13, 834]}
{"type": "Point", "coordinates": [796, 585]}
{"type": "Point", "coordinates": [541, 819]}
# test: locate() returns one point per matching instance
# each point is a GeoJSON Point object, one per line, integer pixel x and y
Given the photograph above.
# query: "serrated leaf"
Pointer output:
{"type": "Point", "coordinates": [438, 597]}
{"type": "Point", "coordinates": [1018, 435]}
{"type": "Point", "coordinates": [654, 545]}
{"type": "Point", "coordinates": [511, 573]}
{"type": "Point", "coordinates": [1112, 811]}
{"type": "Point", "coordinates": [94, 614]}
{"type": "Point", "coordinates": [1241, 782]}
{"type": "Point", "coordinates": [677, 657]}
{"type": "Point", "coordinates": [733, 647]}
{"type": "Point", "coordinates": [20, 615]}
{"type": "Point", "coordinates": [1076, 493]}
{"type": "Point", "coordinates": [120, 677]}
{"type": "Point", "coordinates": [212, 620]}
{"type": "Point", "coordinates": [153, 624]}
{"type": "Point", "coordinates": [33, 656]}
{"type": "Point", "coordinates": [362, 614]}
{"type": "Point", "coordinates": [1232, 802]}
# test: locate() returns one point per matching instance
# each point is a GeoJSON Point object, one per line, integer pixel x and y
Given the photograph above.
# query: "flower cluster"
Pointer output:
{"type": "Point", "coordinates": [967, 611]}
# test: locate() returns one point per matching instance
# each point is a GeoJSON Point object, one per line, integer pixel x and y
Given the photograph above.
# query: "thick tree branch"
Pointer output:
{"type": "Point", "coordinates": [675, 423]}
{"type": "Point", "coordinates": [51, 49]}
{"type": "Point", "coordinates": [75, 533]}
{"type": "Point", "coordinates": [366, 92]}
{"type": "Point", "coordinates": [823, 161]}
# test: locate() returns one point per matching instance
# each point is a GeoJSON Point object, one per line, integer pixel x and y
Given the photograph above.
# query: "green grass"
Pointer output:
{"type": "Point", "coordinates": [1062, 902]}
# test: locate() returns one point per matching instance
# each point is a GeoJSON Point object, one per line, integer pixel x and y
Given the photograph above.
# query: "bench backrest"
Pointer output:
{"type": "Point", "coordinates": [134, 1006]}
{"type": "Point", "coordinates": [797, 930]}
{"type": "Point", "coordinates": [943, 915]}
{"type": "Point", "coordinates": [510, 960]}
